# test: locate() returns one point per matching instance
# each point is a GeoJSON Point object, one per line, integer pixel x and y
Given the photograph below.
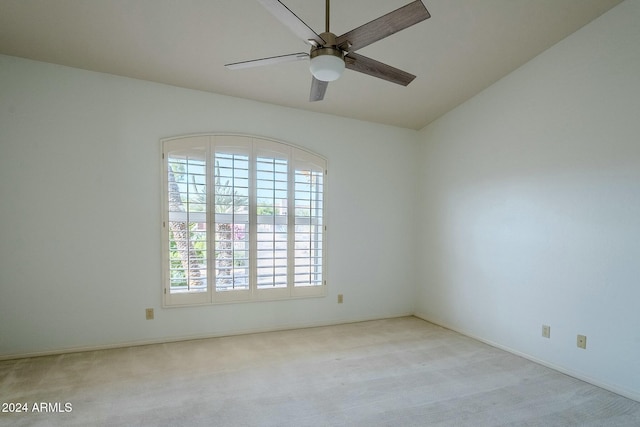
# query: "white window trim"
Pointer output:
{"type": "Point", "coordinates": [297, 157]}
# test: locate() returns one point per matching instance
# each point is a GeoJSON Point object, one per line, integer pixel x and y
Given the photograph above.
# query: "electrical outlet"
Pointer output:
{"type": "Point", "coordinates": [546, 331]}
{"type": "Point", "coordinates": [340, 298]}
{"type": "Point", "coordinates": [582, 341]}
{"type": "Point", "coordinates": [149, 313]}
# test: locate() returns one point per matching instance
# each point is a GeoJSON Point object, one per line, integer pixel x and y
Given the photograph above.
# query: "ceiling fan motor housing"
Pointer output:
{"type": "Point", "coordinates": [327, 61]}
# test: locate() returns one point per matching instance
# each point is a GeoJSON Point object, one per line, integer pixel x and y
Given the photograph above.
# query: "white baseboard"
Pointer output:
{"type": "Point", "coordinates": [575, 374]}
{"type": "Point", "coordinates": [630, 394]}
{"type": "Point", "coordinates": [165, 340]}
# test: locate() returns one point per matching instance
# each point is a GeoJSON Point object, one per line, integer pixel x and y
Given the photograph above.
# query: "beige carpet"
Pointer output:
{"type": "Point", "coordinates": [396, 372]}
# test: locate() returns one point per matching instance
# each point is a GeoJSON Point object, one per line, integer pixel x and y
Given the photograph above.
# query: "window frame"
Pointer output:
{"type": "Point", "coordinates": [299, 161]}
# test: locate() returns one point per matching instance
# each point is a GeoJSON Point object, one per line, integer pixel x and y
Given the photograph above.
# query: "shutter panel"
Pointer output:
{"type": "Point", "coordinates": [309, 227]}
{"type": "Point", "coordinates": [231, 175]}
{"type": "Point", "coordinates": [231, 221]}
{"type": "Point", "coordinates": [186, 220]}
{"type": "Point", "coordinates": [271, 198]}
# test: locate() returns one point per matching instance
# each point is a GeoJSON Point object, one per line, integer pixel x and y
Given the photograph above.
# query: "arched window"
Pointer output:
{"type": "Point", "coordinates": [243, 220]}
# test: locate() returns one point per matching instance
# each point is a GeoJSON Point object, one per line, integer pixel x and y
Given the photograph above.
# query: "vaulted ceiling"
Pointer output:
{"type": "Point", "coordinates": [463, 48]}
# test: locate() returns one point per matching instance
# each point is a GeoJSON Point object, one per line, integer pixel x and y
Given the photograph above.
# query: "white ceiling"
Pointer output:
{"type": "Point", "coordinates": [464, 47]}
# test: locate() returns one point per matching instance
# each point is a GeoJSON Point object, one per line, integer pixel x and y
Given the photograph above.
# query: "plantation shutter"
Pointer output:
{"type": "Point", "coordinates": [309, 173]}
{"type": "Point", "coordinates": [186, 223]}
{"type": "Point", "coordinates": [231, 173]}
{"type": "Point", "coordinates": [243, 220]}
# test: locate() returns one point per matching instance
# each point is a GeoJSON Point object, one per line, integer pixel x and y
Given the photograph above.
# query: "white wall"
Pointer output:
{"type": "Point", "coordinates": [80, 210]}
{"type": "Point", "coordinates": [531, 207]}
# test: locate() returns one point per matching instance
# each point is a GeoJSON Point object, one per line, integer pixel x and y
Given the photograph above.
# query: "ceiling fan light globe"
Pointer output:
{"type": "Point", "coordinates": [327, 68]}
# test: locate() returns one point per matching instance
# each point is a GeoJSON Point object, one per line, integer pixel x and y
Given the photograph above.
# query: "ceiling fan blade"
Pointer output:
{"type": "Point", "coordinates": [318, 88]}
{"type": "Point", "coordinates": [268, 61]}
{"type": "Point", "coordinates": [384, 26]}
{"type": "Point", "coordinates": [291, 21]}
{"type": "Point", "coordinates": [362, 64]}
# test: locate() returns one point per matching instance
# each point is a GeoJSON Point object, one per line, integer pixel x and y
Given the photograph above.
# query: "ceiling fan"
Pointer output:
{"type": "Point", "coordinates": [330, 54]}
